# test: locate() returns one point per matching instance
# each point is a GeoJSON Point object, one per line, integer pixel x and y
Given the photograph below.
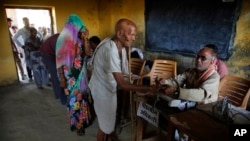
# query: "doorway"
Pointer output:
{"type": "Point", "coordinates": [39, 18]}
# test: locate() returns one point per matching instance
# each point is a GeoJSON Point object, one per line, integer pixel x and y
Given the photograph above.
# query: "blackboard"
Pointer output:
{"type": "Point", "coordinates": [185, 26]}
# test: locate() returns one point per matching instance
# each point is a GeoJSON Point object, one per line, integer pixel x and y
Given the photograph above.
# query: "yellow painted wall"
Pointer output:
{"type": "Point", "coordinates": [100, 17]}
{"type": "Point", "coordinates": [113, 10]}
{"type": "Point", "coordinates": [239, 62]}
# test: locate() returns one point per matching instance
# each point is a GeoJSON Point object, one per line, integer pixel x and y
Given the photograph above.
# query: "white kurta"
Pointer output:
{"type": "Point", "coordinates": [103, 85]}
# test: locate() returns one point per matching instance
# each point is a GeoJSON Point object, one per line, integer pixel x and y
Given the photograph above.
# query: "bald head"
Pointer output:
{"type": "Point", "coordinates": [123, 24]}
{"type": "Point", "coordinates": [125, 32]}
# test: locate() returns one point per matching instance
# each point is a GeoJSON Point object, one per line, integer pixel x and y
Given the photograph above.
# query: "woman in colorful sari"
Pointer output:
{"type": "Point", "coordinates": [72, 50]}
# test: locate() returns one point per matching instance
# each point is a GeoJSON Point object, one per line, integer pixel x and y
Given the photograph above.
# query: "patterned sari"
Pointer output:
{"type": "Point", "coordinates": [69, 50]}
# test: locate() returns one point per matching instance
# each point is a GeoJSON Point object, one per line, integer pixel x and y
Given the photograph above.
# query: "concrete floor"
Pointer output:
{"type": "Point", "coordinates": [31, 114]}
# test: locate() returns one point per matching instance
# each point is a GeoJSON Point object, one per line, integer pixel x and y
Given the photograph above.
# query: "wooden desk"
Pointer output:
{"type": "Point", "coordinates": [198, 125]}
{"type": "Point", "coordinates": [141, 123]}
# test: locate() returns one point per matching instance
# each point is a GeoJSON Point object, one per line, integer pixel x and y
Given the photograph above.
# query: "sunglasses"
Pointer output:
{"type": "Point", "coordinates": [203, 58]}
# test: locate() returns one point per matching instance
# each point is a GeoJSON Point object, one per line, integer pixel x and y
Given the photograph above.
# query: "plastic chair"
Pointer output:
{"type": "Point", "coordinates": [136, 68]}
{"type": "Point", "coordinates": [236, 89]}
{"type": "Point", "coordinates": [137, 65]}
{"type": "Point", "coordinates": [161, 69]}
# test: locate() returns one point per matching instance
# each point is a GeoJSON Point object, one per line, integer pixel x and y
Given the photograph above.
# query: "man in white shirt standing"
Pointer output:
{"type": "Point", "coordinates": [24, 33]}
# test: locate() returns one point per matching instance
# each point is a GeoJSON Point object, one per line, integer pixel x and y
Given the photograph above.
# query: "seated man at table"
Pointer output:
{"type": "Point", "coordinates": [198, 85]}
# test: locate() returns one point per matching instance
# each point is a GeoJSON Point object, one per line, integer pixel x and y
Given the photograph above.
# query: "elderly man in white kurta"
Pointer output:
{"type": "Point", "coordinates": [103, 85]}
{"type": "Point", "coordinates": [107, 75]}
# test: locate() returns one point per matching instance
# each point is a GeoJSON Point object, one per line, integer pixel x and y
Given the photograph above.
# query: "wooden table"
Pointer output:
{"type": "Point", "coordinates": [163, 109]}
{"type": "Point", "coordinates": [198, 125]}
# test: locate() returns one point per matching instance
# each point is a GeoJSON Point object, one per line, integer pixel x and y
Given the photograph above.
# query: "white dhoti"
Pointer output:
{"type": "Point", "coordinates": [103, 85]}
{"type": "Point", "coordinates": [106, 113]}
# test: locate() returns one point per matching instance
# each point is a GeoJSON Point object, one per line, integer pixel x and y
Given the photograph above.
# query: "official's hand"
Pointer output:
{"type": "Point", "coordinates": [169, 90]}
{"type": "Point", "coordinates": [159, 81]}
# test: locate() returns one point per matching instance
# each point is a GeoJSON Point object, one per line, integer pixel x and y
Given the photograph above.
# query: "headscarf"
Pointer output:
{"type": "Point", "coordinates": [65, 45]}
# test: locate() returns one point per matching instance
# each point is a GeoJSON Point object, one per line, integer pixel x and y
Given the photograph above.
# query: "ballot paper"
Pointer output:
{"type": "Point", "coordinates": [171, 101]}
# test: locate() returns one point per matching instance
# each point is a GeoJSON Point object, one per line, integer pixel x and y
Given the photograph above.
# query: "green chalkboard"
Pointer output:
{"type": "Point", "coordinates": [185, 26]}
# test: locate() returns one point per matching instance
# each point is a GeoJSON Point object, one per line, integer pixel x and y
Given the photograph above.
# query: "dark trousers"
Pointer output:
{"type": "Point", "coordinates": [50, 64]}
{"type": "Point", "coordinates": [29, 71]}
